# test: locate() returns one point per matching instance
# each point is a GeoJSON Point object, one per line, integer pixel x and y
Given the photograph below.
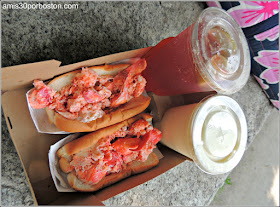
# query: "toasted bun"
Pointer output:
{"type": "Point", "coordinates": [91, 139]}
{"type": "Point", "coordinates": [67, 151]}
{"type": "Point", "coordinates": [64, 165]}
{"type": "Point", "coordinates": [130, 109]}
{"type": "Point", "coordinates": [127, 110]}
{"type": "Point", "coordinates": [133, 168]}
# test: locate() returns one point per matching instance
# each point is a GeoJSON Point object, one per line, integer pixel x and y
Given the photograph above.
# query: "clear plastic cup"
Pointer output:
{"type": "Point", "coordinates": [213, 133]}
{"type": "Point", "coordinates": [210, 55]}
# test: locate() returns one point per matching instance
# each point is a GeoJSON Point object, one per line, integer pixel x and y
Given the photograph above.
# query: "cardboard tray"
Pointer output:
{"type": "Point", "coordinates": [33, 147]}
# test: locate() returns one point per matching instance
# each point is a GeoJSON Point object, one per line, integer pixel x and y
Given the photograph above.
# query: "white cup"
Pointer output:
{"type": "Point", "coordinates": [213, 133]}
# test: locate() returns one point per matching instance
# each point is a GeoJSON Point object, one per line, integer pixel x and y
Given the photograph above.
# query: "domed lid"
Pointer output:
{"type": "Point", "coordinates": [221, 51]}
{"type": "Point", "coordinates": [219, 132]}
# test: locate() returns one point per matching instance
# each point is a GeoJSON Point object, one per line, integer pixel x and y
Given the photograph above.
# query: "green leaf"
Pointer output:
{"type": "Point", "coordinates": [228, 181]}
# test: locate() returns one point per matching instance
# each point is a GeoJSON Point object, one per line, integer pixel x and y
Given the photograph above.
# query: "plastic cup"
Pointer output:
{"type": "Point", "coordinates": [213, 133]}
{"type": "Point", "coordinates": [210, 55]}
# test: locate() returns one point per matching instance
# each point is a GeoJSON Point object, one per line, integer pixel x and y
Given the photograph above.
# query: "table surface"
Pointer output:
{"type": "Point", "coordinates": [96, 29]}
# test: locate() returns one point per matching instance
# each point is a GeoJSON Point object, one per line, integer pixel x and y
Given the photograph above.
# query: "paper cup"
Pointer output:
{"type": "Point", "coordinates": [213, 133]}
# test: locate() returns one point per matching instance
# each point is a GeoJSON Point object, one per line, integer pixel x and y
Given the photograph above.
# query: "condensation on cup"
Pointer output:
{"type": "Point", "coordinates": [213, 133]}
{"type": "Point", "coordinates": [210, 55]}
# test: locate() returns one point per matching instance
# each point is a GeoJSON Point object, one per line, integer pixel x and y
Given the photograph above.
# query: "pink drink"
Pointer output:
{"type": "Point", "coordinates": [210, 55]}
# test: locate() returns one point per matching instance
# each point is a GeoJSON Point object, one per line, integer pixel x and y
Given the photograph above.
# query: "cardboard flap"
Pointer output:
{"type": "Point", "coordinates": [31, 146]}
{"type": "Point", "coordinates": [21, 76]}
{"type": "Point", "coordinates": [77, 199]}
{"type": "Point", "coordinates": [47, 187]}
{"type": "Point", "coordinates": [24, 133]}
{"type": "Point", "coordinates": [105, 59]}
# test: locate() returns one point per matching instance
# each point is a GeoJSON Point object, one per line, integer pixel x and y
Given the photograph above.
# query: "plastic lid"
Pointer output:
{"type": "Point", "coordinates": [219, 132]}
{"type": "Point", "coordinates": [221, 51]}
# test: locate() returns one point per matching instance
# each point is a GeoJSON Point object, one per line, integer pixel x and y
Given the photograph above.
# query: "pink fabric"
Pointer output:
{"type": "Point", "coordinates": [271, 34]}
{"type": "Point", "coordinates": [264, 46]}
{"type": "Point", "coordinates": [249, 13]}
{"type": "Point", "coordinates": [269, 60]}
{"type": "Point", "coordinates": [260, 81]}
{"type": "Point", "coordinates": [213, 4]}
{"type": "Point", "coordinates": [275, 103]}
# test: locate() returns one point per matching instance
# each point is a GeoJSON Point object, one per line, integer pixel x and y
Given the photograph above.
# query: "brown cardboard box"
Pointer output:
{"type": "Point", "coordinates": [33, 147]}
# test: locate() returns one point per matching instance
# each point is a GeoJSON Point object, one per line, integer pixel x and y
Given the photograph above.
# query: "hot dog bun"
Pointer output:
{"type": "Point", "coordinates": [91, 139]}
{"type": "Point", "coordinates": [125, 111]}
{"type": "Point", "coordinates": [67, 151]}
{"type": "Point", "coordinates": [133, 168]}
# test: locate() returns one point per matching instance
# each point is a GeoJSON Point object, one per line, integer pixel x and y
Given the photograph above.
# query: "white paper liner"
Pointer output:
{"type": "Point", "coordinates": [58, 176]}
